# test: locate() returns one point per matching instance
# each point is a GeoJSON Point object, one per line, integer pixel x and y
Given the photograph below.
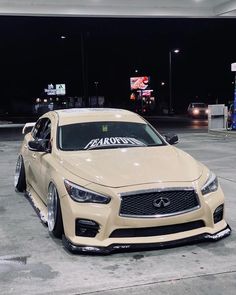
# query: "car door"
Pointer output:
{"type": "Point", "coordinates": [44, 163]}
{"type": "Point", "coordinates": [40, 132]}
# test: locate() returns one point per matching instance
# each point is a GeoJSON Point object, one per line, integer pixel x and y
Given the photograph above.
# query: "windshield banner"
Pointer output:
{"type": "Point", "coordinates": [113, 141]}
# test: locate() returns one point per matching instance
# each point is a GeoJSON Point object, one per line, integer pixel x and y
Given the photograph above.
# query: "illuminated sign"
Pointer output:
{"type": "Point", "coordinates": [139, 83]}
{"type": "Point", "coordinates": [233, 67]}
{"type": "Point", "coordinates": [60, 89]}
{"type": "Point", "coordinates": [147, 92]}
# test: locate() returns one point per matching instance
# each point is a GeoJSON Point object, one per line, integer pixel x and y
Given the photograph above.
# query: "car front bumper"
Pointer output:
{"type": "Point", "coordinates": [114, 248]}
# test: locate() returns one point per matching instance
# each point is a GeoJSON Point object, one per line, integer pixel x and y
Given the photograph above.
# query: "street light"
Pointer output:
{"type": "Point", "coordinates": [176, 51]}
{"type": "Point", "coordinates": [84, 64]}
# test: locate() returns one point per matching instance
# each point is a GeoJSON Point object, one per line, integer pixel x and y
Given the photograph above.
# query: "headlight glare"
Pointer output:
{"type": "Point", "coordinates": [82, 195]}
{"type": "Point", "coordinates": [211, 184]}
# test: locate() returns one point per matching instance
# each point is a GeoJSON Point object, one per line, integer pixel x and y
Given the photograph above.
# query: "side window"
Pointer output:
{"type": "Point", "coordinates": [36, 128]}
{"type": "Point", "coordinates": [42, 129]}
{"type": "Point", "coordinates": [47, 130]}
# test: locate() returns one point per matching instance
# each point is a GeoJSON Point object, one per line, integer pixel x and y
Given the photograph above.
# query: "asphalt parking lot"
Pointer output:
{"type": "Point", "coordinates": [32, 262]}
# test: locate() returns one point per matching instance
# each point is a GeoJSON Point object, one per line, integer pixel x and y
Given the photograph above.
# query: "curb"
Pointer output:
{"type": "Point", "coordinates": [222, 132]}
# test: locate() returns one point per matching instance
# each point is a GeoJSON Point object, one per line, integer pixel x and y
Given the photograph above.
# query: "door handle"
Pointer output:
{"type": "Point", "coordinates": [34, 155]}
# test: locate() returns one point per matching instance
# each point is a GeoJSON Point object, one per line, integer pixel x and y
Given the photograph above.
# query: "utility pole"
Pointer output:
{"type": "Point", "coordinates": [84, 62]}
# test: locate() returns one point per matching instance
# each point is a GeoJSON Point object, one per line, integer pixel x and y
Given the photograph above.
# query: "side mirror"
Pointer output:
{"type": "Point", "coordinates": [39, 145]}
{"type": "Point", "coordinates": [171, 138]}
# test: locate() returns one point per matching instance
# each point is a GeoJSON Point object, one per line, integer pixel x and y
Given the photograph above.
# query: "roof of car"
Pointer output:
{"type": "Point", "coordinates": [76, 115]}
{"type": "Point", "coordinates": [198, 103]}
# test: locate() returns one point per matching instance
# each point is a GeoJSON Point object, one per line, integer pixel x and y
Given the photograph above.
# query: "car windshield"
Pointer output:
{"type": "Point", "coordinates": [103, 135]}
{"type": "Point", "coordinates": [199, 105]}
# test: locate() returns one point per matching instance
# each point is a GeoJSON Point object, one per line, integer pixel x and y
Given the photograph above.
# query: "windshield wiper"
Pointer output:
{"type": "Point", "coordinates": [155, 144]}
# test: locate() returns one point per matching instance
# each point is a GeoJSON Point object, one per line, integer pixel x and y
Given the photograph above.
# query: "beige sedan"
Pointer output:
{"type": "Point", "coordinates": [105, 180]}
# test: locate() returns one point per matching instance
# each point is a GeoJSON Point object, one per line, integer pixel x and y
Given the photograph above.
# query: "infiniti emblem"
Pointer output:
{"type": "Point", "coordinates": [161, 202]}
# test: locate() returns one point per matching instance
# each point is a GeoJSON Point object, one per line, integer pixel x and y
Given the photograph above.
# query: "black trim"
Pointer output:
{"type": "Point", "coordinates": [157, 230]}
{"type": "Point", "coordinates": [218, 214]}
{"type": "Point", "coordinates": [114, 248]}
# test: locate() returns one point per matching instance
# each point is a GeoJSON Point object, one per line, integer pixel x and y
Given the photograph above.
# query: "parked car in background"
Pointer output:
{"type": "Point", "coordinates": [198, 110]}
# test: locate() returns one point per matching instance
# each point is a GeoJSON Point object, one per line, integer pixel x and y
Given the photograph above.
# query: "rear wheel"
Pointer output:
{"type": "Point", "coordinates": [19, 178]}
{"type": "Point", "coordinates": [55, 224]}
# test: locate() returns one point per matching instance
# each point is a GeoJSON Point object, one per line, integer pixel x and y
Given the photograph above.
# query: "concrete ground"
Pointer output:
{"type": "Point", "coordinates": [33, 262]}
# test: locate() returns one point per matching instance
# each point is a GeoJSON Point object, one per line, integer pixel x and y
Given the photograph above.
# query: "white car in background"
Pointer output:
{"type": "Point", "coordinates": [198, 110]}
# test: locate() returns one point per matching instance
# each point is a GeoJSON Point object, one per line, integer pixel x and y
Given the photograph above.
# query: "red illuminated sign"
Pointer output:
{"type": "Point", "coordinates": [137, 83]}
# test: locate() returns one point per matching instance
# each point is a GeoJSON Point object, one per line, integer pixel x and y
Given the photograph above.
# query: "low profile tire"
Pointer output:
{"type": "Point", "coordinates": [19, 178]}
{"type": "Point", "coordinates": [55, 224]}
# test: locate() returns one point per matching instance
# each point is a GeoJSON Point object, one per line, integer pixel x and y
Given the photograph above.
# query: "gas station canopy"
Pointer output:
{"type": "Point", "coordinates": [120, 8]}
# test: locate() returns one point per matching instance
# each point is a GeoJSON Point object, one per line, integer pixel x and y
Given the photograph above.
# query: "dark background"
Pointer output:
{"type": "Point", "coordinates": [34, 55]}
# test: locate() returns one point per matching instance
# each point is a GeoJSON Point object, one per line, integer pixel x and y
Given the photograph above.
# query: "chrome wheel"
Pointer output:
{"type": "Point", "coordinates": [52, 207]}
{"type": "Point", "coordinates": [17, 171]}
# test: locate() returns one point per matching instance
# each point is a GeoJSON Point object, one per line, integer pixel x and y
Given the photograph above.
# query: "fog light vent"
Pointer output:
{"type": "Point", "coordinates": [218, 213]}
{"type": "Point", "coordinates": [86, 228]}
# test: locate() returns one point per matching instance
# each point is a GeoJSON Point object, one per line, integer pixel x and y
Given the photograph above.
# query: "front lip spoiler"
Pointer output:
{"type": "Point", "coordinates": [115, 248]}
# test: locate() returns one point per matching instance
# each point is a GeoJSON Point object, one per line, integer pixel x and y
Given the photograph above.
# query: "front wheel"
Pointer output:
{"type": "Point", "coordinates": [55, 224]}
{"type": "Point", "coordinates": [19, 178]}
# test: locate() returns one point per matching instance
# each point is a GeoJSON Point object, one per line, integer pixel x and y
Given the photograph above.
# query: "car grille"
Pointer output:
{"type": "Point", "coordinates": [159, 203]}
{"type": "Point", "coordinates": [156, 231]}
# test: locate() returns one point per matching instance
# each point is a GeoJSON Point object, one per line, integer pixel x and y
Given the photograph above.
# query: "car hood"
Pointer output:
{"type": "Point", "coordinates": [132, 166]}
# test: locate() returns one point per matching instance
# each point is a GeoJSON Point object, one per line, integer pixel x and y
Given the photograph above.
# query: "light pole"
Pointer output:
{"type": "Point", "coordinates": [84, 62]}
{"type": "Point", "coordinates": [170, 77]}
{"type": "Point", "coordinates": [96, 87]}
{"type": "Point", "coordinates": [84, 65]}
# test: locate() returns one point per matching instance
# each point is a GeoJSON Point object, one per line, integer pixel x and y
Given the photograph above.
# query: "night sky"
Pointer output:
{"type": "Point", "coordinates": [33, 55]}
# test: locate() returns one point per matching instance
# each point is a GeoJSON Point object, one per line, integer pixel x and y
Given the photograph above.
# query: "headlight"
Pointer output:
{"type": "Point", "coordinates": [211, 184]}
{"type": "Point", "coordinates": [82, 195]}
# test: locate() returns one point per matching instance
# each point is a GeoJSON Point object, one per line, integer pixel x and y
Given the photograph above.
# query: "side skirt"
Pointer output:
{"type": "Point", "coordinates": [38, 205]}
